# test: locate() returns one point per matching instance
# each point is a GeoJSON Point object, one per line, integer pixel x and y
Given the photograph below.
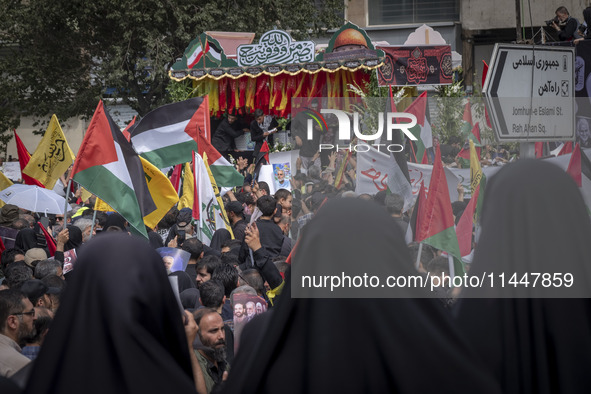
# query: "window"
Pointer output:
{"type": "Point", "coordinates": [392, 12]}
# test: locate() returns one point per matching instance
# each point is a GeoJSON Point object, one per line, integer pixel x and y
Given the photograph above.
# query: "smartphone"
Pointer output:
{"type": "Point", "coordinates": [181, 237]}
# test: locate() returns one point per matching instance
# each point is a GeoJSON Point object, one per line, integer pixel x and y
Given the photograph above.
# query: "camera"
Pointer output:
{"type": "Point", "coordinates": [551, 21]}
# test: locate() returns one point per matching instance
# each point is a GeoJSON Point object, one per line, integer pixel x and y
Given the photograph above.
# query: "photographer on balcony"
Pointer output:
{"type": "Point", "coordinates": [564, 24]}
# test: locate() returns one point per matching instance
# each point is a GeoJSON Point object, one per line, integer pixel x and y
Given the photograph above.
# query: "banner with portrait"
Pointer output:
{"type": "Point", "coordinates": [416, 65]}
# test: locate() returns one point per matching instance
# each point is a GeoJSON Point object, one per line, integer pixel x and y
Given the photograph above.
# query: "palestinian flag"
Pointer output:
{"type": "Point", "coordinates": [108, 167]}
{"type": "Point", "coordinates": [464, 155]}
{"type": "Point", "coordinates": [437, 224]}
{"type": "Point", "coordinates": [127, 131]}
{"type": "Point", "coordinates": [397, 138]}
{"type": "Point", "coordinates": [261, 159]}
{"type": "Point", "coordinates": [223, 171]}
{"type": "Point", "coordinates": [422, 131]}
{"type": "Point", "coordinates": [23, 158]}
{"type": "Point", "coordinates": [215, 51]}
{"type": "Point", "coordinates": [466, 223]}
{"type": "Point", "coordinates": [416, 218]}
{"type": "Point", "coordinates": [397, 182]}
{"type": "Point", "coordinates": [579, 165]}
{"type": "Point", "coordinates": [168, 135]}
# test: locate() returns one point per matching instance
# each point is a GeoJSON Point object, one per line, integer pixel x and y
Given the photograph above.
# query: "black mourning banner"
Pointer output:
{"type": "Point", "coordinates": [416, 65]}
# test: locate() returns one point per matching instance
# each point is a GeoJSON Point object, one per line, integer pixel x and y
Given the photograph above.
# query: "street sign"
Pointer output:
{"type": "Point", "coordinates": [530, 93]}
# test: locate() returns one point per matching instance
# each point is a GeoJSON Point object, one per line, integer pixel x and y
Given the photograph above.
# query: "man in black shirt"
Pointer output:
{"type": "Point", "coordinates": [565, 25]}
{"type": "Point", "coordinates": [223, 137]}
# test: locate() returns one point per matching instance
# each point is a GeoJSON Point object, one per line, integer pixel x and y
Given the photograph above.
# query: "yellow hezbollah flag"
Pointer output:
{"type": "Point", "coordinates": [475, 170]}
{"type": "Point", "coordinates": [218, 197]}
{"type": "Point", "coordinates": [100, 205]}
{"type": "Point", "coordinates": [186, 200]}
{"type": "Point", "coordinates": [162, 192]}
{"type": "Point", "coordinates": [160, 188]}
{"type": "Point", "coordinates": [52, 157]}
{"type": "Point", "coordinates": [4, 183]}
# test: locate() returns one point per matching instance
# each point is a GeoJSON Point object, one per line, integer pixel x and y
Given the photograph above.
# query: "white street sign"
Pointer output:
{"type": "Point", "coordinates": [530, 93]}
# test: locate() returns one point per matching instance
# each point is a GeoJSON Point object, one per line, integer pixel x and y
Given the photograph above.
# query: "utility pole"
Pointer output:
{"type": "Point", "coordinates": [519, 37]}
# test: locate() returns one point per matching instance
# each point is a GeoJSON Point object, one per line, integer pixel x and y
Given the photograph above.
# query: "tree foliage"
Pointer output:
{"type": "Point", "coordinates": [62, 56]}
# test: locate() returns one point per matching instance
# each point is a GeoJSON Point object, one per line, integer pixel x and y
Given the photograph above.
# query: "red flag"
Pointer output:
{"type": "Point", "coordinates": [2, 247]}
{"type": "Point", "coordinates": [566, 148]}
{"type": "Point", "coordinates": [417, 214]}
{"type": "Point", "coordinates": [484, 73]}
{"type": "Point", "coordinates": [464, 227]}
{"type": "Point", "coordinates": [50, 241]}
{"type": "Point", "coordinates": [574, 166]}
{"type": "Point", "coordinates": [437, 223]}
{"type": "Point", "coordinates": [265, 150]}
{"type": "Point", "coordinates": [467, 117]}
{"type": "Point", "coordinates": [539, 149]}
{"type": "Point", "coordinates": [175, 178]}
{"type": "Point", "coordinates": [23, 157]}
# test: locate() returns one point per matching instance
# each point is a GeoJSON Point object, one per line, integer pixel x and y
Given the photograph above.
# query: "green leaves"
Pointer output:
{"type": "Point", "coordinates": [61, 56]}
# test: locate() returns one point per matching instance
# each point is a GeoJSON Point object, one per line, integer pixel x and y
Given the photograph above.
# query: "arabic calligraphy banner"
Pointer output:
{"type": "Point", "coordinates": [275, 47]}
{"type": "Point", "coordinates": [416, 65]}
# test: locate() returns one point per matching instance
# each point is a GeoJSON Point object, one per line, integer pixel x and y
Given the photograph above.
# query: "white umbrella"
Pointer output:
{"type": "Point", "coordinates": [34, 198]}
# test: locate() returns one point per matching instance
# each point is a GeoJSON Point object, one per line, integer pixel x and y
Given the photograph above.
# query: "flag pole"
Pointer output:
{"type": "Point", "coordinates": [450, 260]}
{"type": "Point", "coordinates": [393, 109]}
{"type": "Point", "coordinates": [93, 224]}
{"type": "Point", "coordinates": [66, 204]}
{"type": "Point", "coordinates": [419, 256]}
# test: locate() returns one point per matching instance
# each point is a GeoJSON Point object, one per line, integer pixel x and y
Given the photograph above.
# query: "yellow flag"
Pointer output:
{"type": "Point", "coordinates": [218, 197]}
{"type": "Point", "coordinates": [475, 169]}
{"type": "Point", "coordinates": [52, 157]}
{"type": "Point", "coordinates": [84, 194]}
{"type": "Point", "coordinates": [4, 183]}
{"type": "Point", "coordinates": [160, 188]}
{"type": "Point", "coordinates": [162, 192]}
{"type": "Point", "coordinates": [188, 196]}
{"type": "Point", "coordinates": [100, 205]}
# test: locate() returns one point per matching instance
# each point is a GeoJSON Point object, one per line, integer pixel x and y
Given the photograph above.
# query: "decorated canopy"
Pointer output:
{"type": "Point", "coordinates": [267, 74]}
{"type": "Point", "coordinates": [277, 53]}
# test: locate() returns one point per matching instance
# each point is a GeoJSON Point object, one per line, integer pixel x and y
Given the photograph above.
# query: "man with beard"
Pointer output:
{"type": "Point", "coordinates": [239, 315]}
{"type": "Point", "coordinates": [16, 322]}
{"type": "Point", "coordinates": [250, 310]}
{"type": "Point", "coordinates": [212, 355]}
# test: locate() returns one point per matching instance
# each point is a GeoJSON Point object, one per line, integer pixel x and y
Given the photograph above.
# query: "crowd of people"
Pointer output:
{"type": "Point", "coordinates": [101, 313]}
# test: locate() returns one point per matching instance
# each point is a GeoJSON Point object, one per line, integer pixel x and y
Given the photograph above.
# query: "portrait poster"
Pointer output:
{"type": "Point", "coordinates": [245, 307]}
{"type": "Point", "coordinates": [174, 259]}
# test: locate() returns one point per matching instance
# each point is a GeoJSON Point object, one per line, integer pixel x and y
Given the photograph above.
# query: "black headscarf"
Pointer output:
{"type": "Point", "coordinates": [115, 219]}
{"type": "Point", "coordinates": [75, 238]}
{"type": "Point", "coordinates": [26, 239]}
{"type": "Point", "coordinates": [356, 345]}
{"type": "Point", "coordinates": [533, 220]}
{"type": "Point", "coordinates": [118, 328]}
{"type": "Point", "coordinates": [190, 298]}
{"type": "Point", "coordinates": [219, 237]}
